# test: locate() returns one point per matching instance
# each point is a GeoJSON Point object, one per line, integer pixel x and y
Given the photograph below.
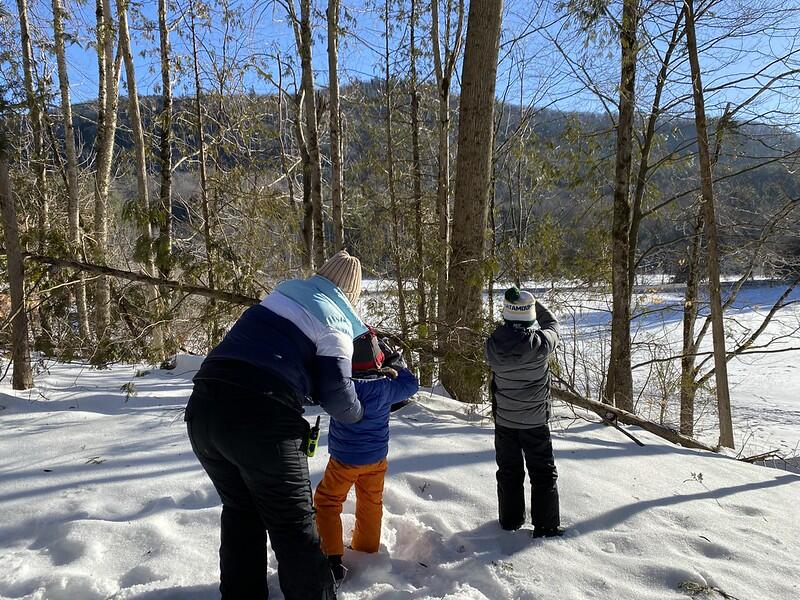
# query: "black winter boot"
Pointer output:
{"type": "Point", "coordinates": [539, 532]}
{"type": "Point", "coordinates": [337, 568]}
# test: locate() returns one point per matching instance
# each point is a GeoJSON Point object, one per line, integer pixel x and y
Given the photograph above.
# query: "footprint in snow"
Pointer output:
{"type": "Point", "coordinates": [140, 575]}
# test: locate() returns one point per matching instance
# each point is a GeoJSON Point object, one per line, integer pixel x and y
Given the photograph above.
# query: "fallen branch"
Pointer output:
{"type": "Point", "coordinates": [623, 416]}
{"type": "Point", "coordinates": [762, 456]}
{"type": "Point", "coordinates": [196, 290]}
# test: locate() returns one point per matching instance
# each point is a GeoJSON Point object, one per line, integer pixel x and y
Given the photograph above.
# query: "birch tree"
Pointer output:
{"type": "Point", "coordinates": [73, 190]}
{"type": "Point", "coordinates": [107, 100]}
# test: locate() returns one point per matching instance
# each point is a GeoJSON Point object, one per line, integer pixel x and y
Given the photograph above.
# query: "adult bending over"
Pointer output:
{"type": "Point", "coordinates": [246, 427]}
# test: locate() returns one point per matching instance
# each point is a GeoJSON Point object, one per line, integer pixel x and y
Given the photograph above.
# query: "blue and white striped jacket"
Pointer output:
{"type": "Point", "coordinates": [297, 345]}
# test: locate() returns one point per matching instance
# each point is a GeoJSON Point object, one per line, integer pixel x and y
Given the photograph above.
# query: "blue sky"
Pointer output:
{"type": "Point", "coordinates": [528, 30]}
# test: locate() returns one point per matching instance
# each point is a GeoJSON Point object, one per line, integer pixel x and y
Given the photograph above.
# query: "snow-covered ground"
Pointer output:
{"type": "Point", "coordinates": [101, 497]}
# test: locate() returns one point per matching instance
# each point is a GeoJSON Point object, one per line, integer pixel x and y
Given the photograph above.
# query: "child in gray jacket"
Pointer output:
{"type": "Point", "coordinates": [518, 355]}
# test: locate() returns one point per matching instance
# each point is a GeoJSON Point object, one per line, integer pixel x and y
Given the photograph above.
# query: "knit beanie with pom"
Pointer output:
{"type": "Point", "coordinates": [518, 307]}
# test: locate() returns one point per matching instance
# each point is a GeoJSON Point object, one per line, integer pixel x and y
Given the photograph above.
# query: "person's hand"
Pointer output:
{"type": "Point", "coordinates": [392, 357]}
{"type": "Point", "coordinates": [388, 371]}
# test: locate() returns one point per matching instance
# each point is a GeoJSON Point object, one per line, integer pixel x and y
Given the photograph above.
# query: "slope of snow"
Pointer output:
{"type": "Point", "coordinates": [101, 497]}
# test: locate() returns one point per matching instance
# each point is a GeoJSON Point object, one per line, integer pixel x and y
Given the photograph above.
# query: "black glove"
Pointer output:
{"type": "Point", "coordinates": [392, 357]}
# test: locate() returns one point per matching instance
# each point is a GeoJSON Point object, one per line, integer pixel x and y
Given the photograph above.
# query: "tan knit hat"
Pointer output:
{"type": "Point", "coordinates": [345, 272]}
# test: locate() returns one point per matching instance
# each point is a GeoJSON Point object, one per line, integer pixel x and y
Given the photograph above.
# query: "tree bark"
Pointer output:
{"type": "Point", "coordinates": [619, 387]}
{"type": "Point", "coordinates": [73, 190]}
{"type": "Point", "coordinates": [164, 251]}
{"type": "Point", "coordinates": [34, 100]}
{"type": "Point", "coordinates": [36, 118]}
{"type": "Point", "coordinates": [304, 45]}
{"type": "Point", "coordinates": [444, 68]}
{"type": "Point", "coordinates": [214, 332]}
{"type": "Point", "coordinates": [463, 377]}
{"type": "Point", "coordinates": [390, 180]}
{"type": "Point", "coordinates": [426, 367]}
{"type": "Point", "coordinates": [145, 245]}
{"type": "Point", "coordinates": [308, 208]}
{"type": "Point", "coordinates": [164, 244]}
{"type": "Point", "coordinates": [22, 377]}
{"type": "Point", "coordinates": [337, 185]}
{"type": "Point", "coordinates": [107, 99]}
{"type": "Point", "coordinates": [690, 309]}
{"type": "Point", "coordinates": [710, 227]}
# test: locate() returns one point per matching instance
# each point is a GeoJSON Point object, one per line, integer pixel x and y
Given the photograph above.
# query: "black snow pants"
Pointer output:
{"type": "Point", "coordinates": [534, 444]}
{"type": "Point", "coordinates": [251, 446]}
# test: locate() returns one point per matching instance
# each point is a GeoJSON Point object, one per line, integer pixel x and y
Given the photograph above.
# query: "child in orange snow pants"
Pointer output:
{"type": "Point", "coordinates": [331, 494]}
{"type": "Point", "coordinates": [358, 451]}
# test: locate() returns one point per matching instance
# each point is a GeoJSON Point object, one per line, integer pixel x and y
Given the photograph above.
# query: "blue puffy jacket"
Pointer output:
{"type": "Point", "coordinates": [296, 346]}
{"type": "Point", "coordinates": [367, 441]}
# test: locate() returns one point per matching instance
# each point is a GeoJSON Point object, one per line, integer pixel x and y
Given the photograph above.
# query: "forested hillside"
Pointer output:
{"type": "Point", "coordinates": [572, 153]}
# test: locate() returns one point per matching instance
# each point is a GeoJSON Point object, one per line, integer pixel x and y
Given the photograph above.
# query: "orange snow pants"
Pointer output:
{"type": "Point", "coordinates": [332, 492]}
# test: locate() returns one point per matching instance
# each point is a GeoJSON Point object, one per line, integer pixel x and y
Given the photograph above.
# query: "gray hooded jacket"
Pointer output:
{"type": "Point", "coordinates": [518, 358]}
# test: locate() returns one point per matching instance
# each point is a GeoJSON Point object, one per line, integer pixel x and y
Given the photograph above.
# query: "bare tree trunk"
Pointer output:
{"type": "Point", "coordinates": [647, 146]}
{"type": "Point", "coordinates": [308, 208]}
{"type": "Point", "coordinates": [164, 244]}
{"type": "Point", "coordinates": [304, 42]}
{"type": "Point", "coordinates": [164, 250]}
{"type": "Point", "coordinates": [337, 185]}
{"type": "Point", "coordinates": [619, 388]}
{"type": "Point", "coordinates": [444, 67]}
{"type": "Point", "coordinates": [287, 170]}
{"type": "Point", "coordinates": [690, 308]}
{"type": "Point", "coordinates": [73, 191]}
{"type": "Point", "coordinates": [426, 366]}
{"type": "Point", "coordinates": [34, 99]}
{"type": "Point", "coordinates": [710, 227]}
{"type": "Point", "coordinates": [396, 219]}
{"type": "Point", "coordinates": [463, 377]}
{"type": "Point", "coordinates": [214, 332]}
{"type": "Point", "coordinates": [107, 98]}
{"type": "Point", "coordinates": [146, 234]}
{"type": "Point", "coordinates": [22, 378]}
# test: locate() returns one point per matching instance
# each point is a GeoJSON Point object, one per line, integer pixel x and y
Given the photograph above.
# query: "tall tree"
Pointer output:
{"type": "Point", "coordinates": [164, 244]}
{"type": "Point", "coordinates": [36, 115]}
{"type": "Point", "coordinates": [690, 310]}
{"type": "Point", "coordinates": [22, 377]}
{"type": "Point", "coordinates": [107, 100]}
{"type": "Point", "coordinates": [34, 103]}
{"type": "Point", "coordinates": [426, 372]}
{"type": "Point", "coordinates": [304, 41]}
{"type": "Point", "coordinates": [445, 57]}
{"type": "Point", "coordinates": [619, 390]}
{"type": "Point", "coordinates": [473, 178]}
{"type": "Point", "coordinates": [201, 146]}
{"type": "Point", "coordinates": [337, 181]}
{"type": "Point", "coordinates": [73, 190]}
{"type": "Point", "coordinates": [397, 220]}
{"type": "Point", "coordinates": [145, 248]}
{"type": "Point", "coordinates": [710, 229]}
